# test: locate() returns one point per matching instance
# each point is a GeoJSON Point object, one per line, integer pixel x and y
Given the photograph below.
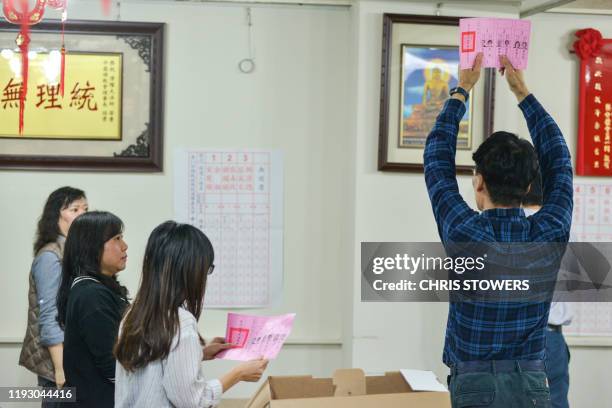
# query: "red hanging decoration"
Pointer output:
{"type": "Point", "coordinates": [62, 70]}
{"type": "Point", "coordinates": [594, 104]}
{"type": "Point", "coordinates": [61, 5]}
{"type": "Point", "coordinates": [589, 43]}
{"type": "Point", "coordinates": [15, 16]}
{"type": "Point", "coordinates": [24, 18]}
{"type": "Point", "coordinates": [25, 61]}
{"type": "Point", "coordinates": [106, 6]}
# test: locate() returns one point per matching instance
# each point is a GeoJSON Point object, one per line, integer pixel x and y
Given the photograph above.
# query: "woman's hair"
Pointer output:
{"type": "Point", "coordinates": [83, 255]}
{"type": "Point", "coordinates": [174, 272]}
{"type": "Point", "coordinates": [48, 229]}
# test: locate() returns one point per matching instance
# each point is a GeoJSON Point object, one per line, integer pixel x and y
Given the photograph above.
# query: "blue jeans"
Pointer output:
{"type": "Point", "coordinates": [490, 386]}
{"type": "Point", "coordinates": [557, 368]}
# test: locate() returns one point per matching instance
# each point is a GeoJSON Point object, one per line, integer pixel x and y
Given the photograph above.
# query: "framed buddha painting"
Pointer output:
{"type": "Point", "coordinates": [416, 77]}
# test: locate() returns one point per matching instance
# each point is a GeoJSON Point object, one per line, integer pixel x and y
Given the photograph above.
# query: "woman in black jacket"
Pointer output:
{"type": "Point", "coordinates": [90, 305]}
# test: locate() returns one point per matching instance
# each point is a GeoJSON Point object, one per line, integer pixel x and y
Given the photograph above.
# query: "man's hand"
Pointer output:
{"type": "Point", "coordinates": [469, 77]}
{"type": "Point", "coordinates": [514, 78]}
{"type": "Point", "coordinates": [217, 345]}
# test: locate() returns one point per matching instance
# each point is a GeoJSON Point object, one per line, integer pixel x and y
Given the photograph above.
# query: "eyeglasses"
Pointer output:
{"type": "Point", "coordinates": [211, 269]}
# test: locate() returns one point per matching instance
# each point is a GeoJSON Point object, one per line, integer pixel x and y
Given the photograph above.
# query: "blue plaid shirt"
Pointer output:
{"type": "Point", "coordinates": [502, 330]}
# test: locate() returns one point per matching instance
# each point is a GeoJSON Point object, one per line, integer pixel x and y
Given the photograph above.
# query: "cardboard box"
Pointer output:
{"type": "Point", "coordinates": [233, 403]}
{"type": "Point", "coordinates": [348, 388]}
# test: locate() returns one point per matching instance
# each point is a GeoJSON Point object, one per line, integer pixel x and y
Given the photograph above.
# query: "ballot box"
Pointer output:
{"type": "Point", "coordinates": [348, 388]}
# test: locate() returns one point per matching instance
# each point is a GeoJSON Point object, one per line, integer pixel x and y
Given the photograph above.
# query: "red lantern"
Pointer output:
{"type": "Point", "coordinates": [25, 18]}
{"type": "Point", "coordinates": [24, 15]}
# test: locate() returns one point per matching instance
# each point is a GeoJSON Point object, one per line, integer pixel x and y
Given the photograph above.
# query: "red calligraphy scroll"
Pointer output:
{"type": "Point", "coordinates": [594, 148]}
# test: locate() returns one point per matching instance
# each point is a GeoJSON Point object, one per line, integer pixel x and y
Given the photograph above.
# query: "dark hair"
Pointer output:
{"type": "Point", "coordinates": [83, 255]}
{"type": "Point", "coordinates": [48, 229]}
{"type": "Point", "coordinates": [535, 195]}
{"type": "Point", "coordinates": [174, 272]}
{"type": "Point", "coordinates": [508, 165]}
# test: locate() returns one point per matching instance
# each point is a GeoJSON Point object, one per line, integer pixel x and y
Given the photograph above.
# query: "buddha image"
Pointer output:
{"type": "Point", "coordinates": [427, 76]}
{"type": "Point", "coordinates": [435, 90]}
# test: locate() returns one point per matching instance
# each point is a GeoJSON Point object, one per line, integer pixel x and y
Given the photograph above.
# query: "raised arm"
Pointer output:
{"type": "Point", "coordinates": [553, 155]}
{"type": "Point", "coordinates": [439, 158]}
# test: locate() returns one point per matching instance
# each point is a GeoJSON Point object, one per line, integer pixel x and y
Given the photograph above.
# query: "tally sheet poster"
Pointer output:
{"type": "Point", "coordinates": [592, 222]}
{"type": "Point", "coordinates": [236, 198]}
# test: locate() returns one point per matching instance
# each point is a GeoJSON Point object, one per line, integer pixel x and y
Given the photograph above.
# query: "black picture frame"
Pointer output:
{"type": "Point", "coordinates": [416, 166]}
{"type": "Point", "coordinates": [145, 153]}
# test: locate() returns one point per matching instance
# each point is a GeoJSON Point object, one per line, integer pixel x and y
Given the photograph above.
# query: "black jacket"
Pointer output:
{"type": "Point", "coordinates": [93, 315]}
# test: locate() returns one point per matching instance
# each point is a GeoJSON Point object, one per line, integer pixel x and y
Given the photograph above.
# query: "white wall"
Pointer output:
{"type": "Point", "coordinates": [296, 100]}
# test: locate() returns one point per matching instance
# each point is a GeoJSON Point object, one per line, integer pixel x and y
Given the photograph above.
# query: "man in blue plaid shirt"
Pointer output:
{"type": "Point", "coordinates": [496, 349]}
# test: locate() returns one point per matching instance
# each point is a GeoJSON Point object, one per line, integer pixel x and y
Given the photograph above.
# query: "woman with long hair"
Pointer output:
{"type": "Point", "coordinates": [90, 304]}
{"type": "Point", "coordinates": [159, 349]}
{"type": "Point", "coordinates": [42, 347]}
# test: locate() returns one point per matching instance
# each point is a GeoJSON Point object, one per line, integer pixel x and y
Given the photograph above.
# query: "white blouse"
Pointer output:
{"type": "Point", "coordinates": [176, 381]}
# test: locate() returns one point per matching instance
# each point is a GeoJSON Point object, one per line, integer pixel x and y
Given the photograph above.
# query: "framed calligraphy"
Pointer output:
{"type": "Point", "coordinates": [416, 77]}
{"type": "Point", "coordinates": [110, 117]}
{"type": "Point", "coordinates": [594, 147]}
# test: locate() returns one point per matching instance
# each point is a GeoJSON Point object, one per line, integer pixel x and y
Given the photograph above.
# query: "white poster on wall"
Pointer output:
{"type": "Point", "coordinates": [592, 222]}
{"type": "Point", "coordinates": [236, 198]}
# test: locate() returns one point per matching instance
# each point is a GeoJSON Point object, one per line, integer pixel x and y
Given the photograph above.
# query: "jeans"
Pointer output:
{"type": "Point", "coordinates": [43, 382]}
{"type": "Point", "coordinates": [508, 389]}
{"type": "Point", "coordinates": [557, 368]}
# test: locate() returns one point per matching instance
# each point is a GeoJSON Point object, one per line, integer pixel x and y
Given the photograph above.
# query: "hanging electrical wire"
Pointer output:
{"type": "Point", "coordinates": [247, 65]}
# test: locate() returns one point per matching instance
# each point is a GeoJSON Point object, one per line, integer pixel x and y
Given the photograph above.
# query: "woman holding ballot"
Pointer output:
{"type": "Point", "coordinates": [159, 349]}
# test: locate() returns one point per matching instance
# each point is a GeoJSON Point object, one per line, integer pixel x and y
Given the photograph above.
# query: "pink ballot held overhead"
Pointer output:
{"type": "Point", "coordinates": [494, 37]}
{"type": "Point", "coordinates": [256, 336]}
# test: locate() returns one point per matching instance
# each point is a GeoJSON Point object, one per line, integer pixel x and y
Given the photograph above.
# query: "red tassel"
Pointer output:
{"type": "Point", "coordinates": [24, 18]}
{"type": "Point", "coordinates": [24, 48]}
{"type": "Point", "coordinates": [63, 71]}
{"type": "Point", "coordinates": [63, 63]}
{"type": "Point", "coordinates": [24, 85]}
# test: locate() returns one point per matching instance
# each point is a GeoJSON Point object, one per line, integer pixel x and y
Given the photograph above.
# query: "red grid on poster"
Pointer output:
{"type": "Point", "coordinates": [229, 199]}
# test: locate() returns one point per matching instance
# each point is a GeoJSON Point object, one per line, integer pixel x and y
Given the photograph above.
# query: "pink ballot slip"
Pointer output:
{"type": "Point", "coordinates": [256, 336]}
{"type": "Point", "coordinates": [494, 37]}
